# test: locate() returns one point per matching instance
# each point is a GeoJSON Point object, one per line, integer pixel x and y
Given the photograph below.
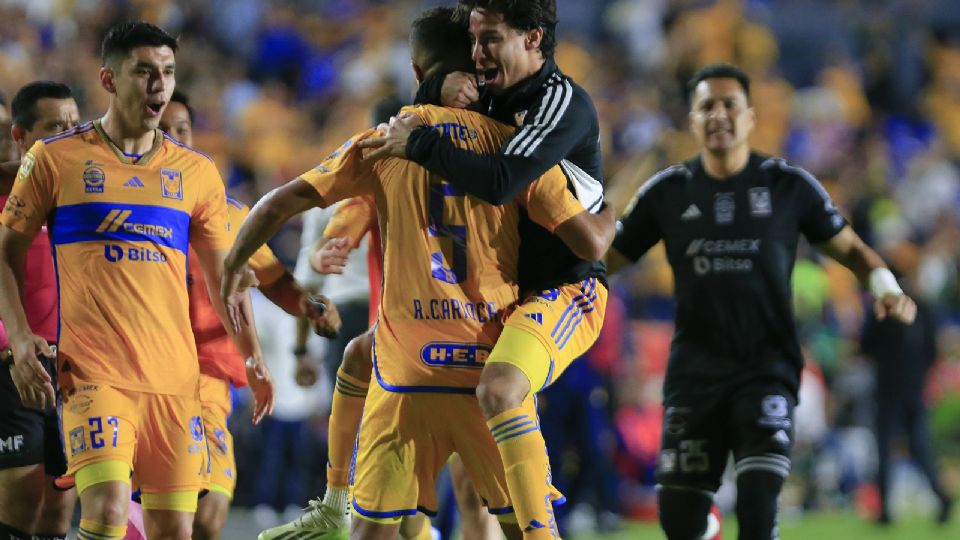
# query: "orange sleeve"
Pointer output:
{"type": "Point", "coordinates": [352, 219]}
{"type": "Point", "coordinates": [548, 201]}
{"type": "Point", "coordinates": [34, 192]}
{"type": "Point", "coordinates": [343, 174]}
{"type": "Point", "coordinates": [208, 222]}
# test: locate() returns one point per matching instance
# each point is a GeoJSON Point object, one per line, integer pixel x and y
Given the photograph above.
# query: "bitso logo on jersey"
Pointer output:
{"type": "Point", "coordinates": [171, 184]}
{"type": "Point", "coordinates": [93, 178]}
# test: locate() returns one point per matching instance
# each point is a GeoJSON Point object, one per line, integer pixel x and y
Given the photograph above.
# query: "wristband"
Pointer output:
{"type": "Point", "coordinates": [882, 283]}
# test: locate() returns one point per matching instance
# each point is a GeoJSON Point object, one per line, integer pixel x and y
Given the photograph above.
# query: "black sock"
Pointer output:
{"type": "Point", "coordinates": [683, 512]}
{"type": "Point", "coordinates": [758, 499]}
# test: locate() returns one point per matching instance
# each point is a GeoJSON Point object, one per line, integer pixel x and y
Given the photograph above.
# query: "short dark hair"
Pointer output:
{"type": "Point", "coordinates": [181, 98]}
{"type": "Point", "coordinates": [124, 37]}
{"type": "Point", "coordinates": [443, 42]}
{"type": "Point", "coordinates": [522, 15]}
{"type": "Point", "coordinates": [23, 109]}
{"type": "Point", "coordinates": [720, 70]}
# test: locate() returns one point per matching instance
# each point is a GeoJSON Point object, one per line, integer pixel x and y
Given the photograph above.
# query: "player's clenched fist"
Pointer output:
{"type": "Point", "coordinates": [32, 381]}
{"type": "Point", "coordinates": [322, 314]}
{"type": "Point", "coordinates": [896, 306]}
{"type": "Point", "coordinates": [459, 90]}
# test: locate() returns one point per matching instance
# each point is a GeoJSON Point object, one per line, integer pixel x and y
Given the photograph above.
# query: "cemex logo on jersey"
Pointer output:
{"type": "Point", "coordinates": [118, 218]}
{"type": "Point", "coordinates": [719, 256]}
{"type": "Point", "coordinates": [11, 445]}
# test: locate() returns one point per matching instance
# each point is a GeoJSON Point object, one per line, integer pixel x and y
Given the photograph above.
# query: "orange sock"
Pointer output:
{"type": "Point", "coordinates": [345, 412]}
{"type": "Point", "coordinates": [524, 456]}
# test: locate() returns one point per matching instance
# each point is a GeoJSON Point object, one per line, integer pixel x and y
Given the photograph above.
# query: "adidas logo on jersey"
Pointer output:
{"type": "Point", "coordinates": [692, 212]}
{"type": "Point", "coordinates": [536, 317]}
{"type": "Point", "coordinates": [133, 182]}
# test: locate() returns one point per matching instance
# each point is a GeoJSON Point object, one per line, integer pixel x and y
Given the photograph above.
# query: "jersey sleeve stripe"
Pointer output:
{"type": "Point", "coordinates": [83, 128]}
{"type": "Point", "coordinates": [525, 131]}
{"type": "Point", "coordinates": [802, 173]}
{"type": "Point", "coordinates": [553, 105]}
{"type": "Point", "coordinates": [185, 147]}
{"type": "Point", "coordinates": [566, 95]}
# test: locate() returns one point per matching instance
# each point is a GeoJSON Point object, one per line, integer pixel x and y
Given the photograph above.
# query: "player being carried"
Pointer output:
{"type": "Point", "coordinates": [449, 279]}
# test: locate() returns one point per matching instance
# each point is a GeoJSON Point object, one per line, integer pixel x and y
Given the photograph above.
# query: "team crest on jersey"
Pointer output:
{"type": "Point", "coordinates": [171, 184]}
{"type": "Point", "coordinates": [26, 165]}
{"type": "Point", "coordinates": [78, 441]}
{"type": "Point", "coordinates": [518, 117]}
{"type": "Point", "coordinates": [760, 202]}
{"type": "Point", "coordinates": [723, 207]}
{"type": "Point", "coordinates": [93, 179]}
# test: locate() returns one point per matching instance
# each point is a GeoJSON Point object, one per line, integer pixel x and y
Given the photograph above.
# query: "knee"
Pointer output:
{"type": "Point", "coordinates": [211, 516]}
{"type": "Point", "coordinates": [106, 510]}
{"type": "Point", "coordinates": [207, 527]}
{"type": "Point", "coordinates": [357, 360]}
{"type": "Point", "coordinates": [502, 387]}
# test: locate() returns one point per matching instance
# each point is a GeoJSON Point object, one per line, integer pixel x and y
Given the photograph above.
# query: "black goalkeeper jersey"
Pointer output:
{"type": "Point", "coordinates": [731, 244]}
{"type": "Point", "coordinates": [557, 125]}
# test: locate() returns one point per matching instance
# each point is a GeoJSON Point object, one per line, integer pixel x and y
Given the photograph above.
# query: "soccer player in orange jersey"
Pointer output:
{"type": "Point", "coordinates": [221, 366]}
{"type": "Point", "coordinates": [30, 507]}
{"type": "Point", "coordinates": [123, 202]}
{"type": "Point", "coordinates": [352, 220]}
{"type": "Point", "coordinates": [450, 271]}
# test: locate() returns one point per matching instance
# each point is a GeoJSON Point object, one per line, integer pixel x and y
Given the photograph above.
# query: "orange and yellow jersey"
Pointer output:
{"type": "Point", "coordinates": [450, 260]}
{"type": "Point", "coordinates": [120, 226]}
{"type": "Point", "coordinates": [218, 355]}
{"type": "Point", "coordinates": [352, 219]}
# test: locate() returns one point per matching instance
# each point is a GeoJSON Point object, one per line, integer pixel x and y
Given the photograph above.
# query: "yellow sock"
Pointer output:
{"type": "Point", "coordinates": [524, 456]}
{"type": "Point", "coordinates": [91, 530]}
{"type": "Point", "coordinates": [345, 412]}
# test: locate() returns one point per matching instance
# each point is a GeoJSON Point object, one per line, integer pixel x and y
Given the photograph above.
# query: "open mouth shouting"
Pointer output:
{"type": "Point", "coordinates": [487, 76]}
{"type": "Point", "coordinates": [155, 108]}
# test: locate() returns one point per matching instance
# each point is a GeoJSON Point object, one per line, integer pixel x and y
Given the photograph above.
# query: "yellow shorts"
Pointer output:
{"type": "Point", "coordinates": [406, 438]}
{"type": "Point", "coordinates": [566, 321]}
{"type": "Point", "coordinates": [220, 472]}
{"type": "Point", "coordinates": [159, 437]}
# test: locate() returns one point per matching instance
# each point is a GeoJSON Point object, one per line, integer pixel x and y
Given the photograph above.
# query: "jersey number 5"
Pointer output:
{"type": "Point", "coordinates": [457, 271]}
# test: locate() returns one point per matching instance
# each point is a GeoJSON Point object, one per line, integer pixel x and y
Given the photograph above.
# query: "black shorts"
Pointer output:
{"type": "Point", "coordinates": [28, 436]}
{"type": "Point", "coordinates": [701, 428]}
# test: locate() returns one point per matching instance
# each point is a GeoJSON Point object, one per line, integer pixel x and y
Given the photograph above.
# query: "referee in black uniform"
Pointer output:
{"type": "Point", "coordinates": [730, 218]}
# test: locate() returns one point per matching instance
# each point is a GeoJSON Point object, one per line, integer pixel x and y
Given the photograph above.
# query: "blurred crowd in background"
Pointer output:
{"type": "Point", "coordinates": [865, 94]}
